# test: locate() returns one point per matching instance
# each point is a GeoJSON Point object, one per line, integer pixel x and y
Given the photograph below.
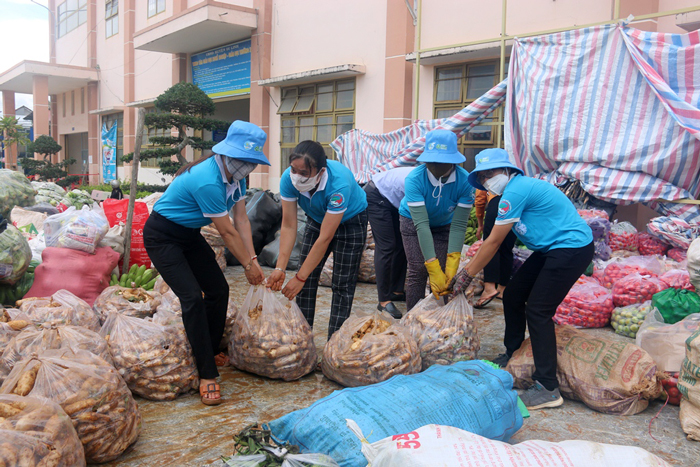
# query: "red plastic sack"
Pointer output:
{"type": "Point", "coordinates": [678, 279]}
{"type": "Point", "coordinates": [677, 254]}
{"type": "Point", "coordinates": [619, 268]}
{"type": "Point", "coordinates": [116, 211]}
{"type": "Point", "coordinates": [649, 245]}
{"type": "Point", "coordinates": [586, 305]}
{"type": "Point", "coordinates": [85, 275]}
{"type": "Point", "coordinates": [636, 288]}
{"type": "Point", "coordinates": [623, 236]}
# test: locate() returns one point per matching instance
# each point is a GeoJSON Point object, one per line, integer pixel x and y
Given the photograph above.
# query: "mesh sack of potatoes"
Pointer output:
{"type": "Point", "coordinates": [368, 349]}
{"type": "Point", "coordinates": [34, 340]}
{"type": "Point", "coordinates": [156, 361]}
{"type": "Point", "coordinates": [271, 338]}
{"type": "Point", "coordinates": [90, 391]}
{"type": "Point", "coordinates": [60, 308]}
{"type": "Point", "coordinates": [135, 302]}
{"type": "Point", "coordinates": [170, 312]}
{"type": "Point", "coordinates": [12, 322]}
{"type": "Point", "coordinates": [445, 333]}
{"type": "Point", "coordinates": [37, 433]}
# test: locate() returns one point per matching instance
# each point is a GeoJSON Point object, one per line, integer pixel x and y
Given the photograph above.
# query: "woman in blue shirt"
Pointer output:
{"type": "Point", "coordinates": [204, 191]}
{"type": "Point", "coordinates": [335, 206]}
{"type": "Point", "coordinates": [544, 219]}
{"type": "Point", "coordinates": [433, 215]}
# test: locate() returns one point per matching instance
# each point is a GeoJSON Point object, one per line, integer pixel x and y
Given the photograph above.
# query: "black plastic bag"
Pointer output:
{"type": "Point", "coordinates": [264, 213]}
{"type": "Point", "coordinates": [268, 255]}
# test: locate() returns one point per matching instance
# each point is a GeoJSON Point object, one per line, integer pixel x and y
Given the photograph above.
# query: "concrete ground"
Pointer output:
{"type": "Point", "coordinates": [186, 433]}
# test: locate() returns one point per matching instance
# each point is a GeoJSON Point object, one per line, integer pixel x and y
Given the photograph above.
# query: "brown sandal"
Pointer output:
{"type": "Point", "coordinates": [206, 391]}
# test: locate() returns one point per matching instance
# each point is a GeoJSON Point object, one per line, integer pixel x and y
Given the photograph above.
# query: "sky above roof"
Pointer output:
{"type": "Point", "coordinates": [24, 33]}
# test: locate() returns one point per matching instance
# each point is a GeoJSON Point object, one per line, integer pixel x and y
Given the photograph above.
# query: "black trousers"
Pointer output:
{"type": "Point", "coordinates": [389, 257]}
{"type": "Point", "coordinates": [532, 298]}
{"type": "Point", "coordinates": [347, 246]}
{"type": "Point", "coordinates": [498, 270]}
{"type": "Point", "coordinates": [188, 265]}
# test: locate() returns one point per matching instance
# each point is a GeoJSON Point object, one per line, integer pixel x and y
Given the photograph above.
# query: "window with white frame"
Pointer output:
{"type": "Point", "coordinates": [148, 133]}
{"type": "Point", "coordinates": [319, 112]}
{"type": "Point", "coordinates": [111, 18]}
{"type": "Point", "coordinates": [70, 15]}
{"type": "Point", "coordinates": [155, 7]}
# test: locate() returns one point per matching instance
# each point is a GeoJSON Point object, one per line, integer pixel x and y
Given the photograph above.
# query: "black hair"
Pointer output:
{"type": "Point", "coordinates": [187, 167]}
{"type": "Point", "coordinates": [312, 152]}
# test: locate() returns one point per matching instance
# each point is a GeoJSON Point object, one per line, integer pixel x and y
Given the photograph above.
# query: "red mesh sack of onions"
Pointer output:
{"type": "Point", "coordinates": [677, 279]}
{"type": "Point", "coordinates": [623, 236]}
{"type": "Point", "coordinates": [619, 268]}
{"type": "Point", "coordinates": [649, 245]}
{"type": "Point", "coordinates": [677, 254]}
{"type": "Point", "coordinates": [474, 248]}
{"type": "Point", "coordinates": [636, 288]}
{"type": "Point", "coordinates": [587, 305]}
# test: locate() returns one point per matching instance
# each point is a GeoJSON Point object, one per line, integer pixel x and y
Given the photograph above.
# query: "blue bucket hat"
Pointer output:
{"type": "Point", "coordinates": [244, 141]}
{"type": "Point", "coordinates": [441, 146]}
{"type": "Point", "coordinates": [493, 158]}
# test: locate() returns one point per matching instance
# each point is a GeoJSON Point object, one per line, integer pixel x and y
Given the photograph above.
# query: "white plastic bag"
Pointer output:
{"type": "Point", "coordinates": [694, 263]}
{"type": "Point", "coordinates": [439, 445]}
{"type": "Point", "coordinates": [80, 230]}
{"type": "Point", "coordinates": [666, 342]}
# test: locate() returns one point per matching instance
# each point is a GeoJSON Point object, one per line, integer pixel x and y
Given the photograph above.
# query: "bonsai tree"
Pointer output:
{"type": "Point", "coordinates": [12, 133]}
{"type": "Point", "coordinates": [45, 169]}
{"type": "Point", "coordinates": [185, 107]}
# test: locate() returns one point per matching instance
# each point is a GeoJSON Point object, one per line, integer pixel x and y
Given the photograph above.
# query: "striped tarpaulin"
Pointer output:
{"type": "Point", "coordinates": [611, 106]}
{"type": "Point", "coordinates": [366, 153]}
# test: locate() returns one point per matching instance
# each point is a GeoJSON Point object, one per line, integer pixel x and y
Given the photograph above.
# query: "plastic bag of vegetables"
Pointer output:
{"type": "Point", "coordinates": [636, 288]}
{"type": "Point", "coordinates": [623, 236]}
{"type": "Point", "coordinates": [156, 361]}
{"type": "Point", "coordinates": [627, 320]}
{"type": "Point", "coordinates": [37, 432]}
{"type": "Point", "coordinates": [12, 322]}
{"type": "Point", "coordinates": [78, 199]}
{"type": "Point", "coordinates": [587, 305]}
{"type": "Point", "coordinates": [271, 338]}
{"type": "Point", "coordinates": [445, 334]}
{"type": "Point", "coordinates": [15, 255]}
{"type": "Point", "coordinates": [368, 349]}
{"type": "Point", "coordinates": [34, 340]}
{"type": "Point", "coordinates": [60, 308]}
{"type": "Point", "coordinates": [15, 190]}
{"type": "Point", "coordinates": [79, 230]}
{"type": "Point", "coordinates": [90, 391]}
{"type": "Point", "coordinates": [126, 301]}
{"type": "Point", "coordinates": [666, 342]}
{"type": "Point", "coordinates": [9, 294]}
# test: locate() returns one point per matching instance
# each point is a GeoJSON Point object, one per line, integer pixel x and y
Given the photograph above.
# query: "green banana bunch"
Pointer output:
{"type": "Point", "coordinates": [138, 276]}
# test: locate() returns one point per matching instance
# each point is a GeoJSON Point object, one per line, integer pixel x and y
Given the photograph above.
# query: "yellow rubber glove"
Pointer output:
{"type": "Point", "coordinates": [452, 265]}
{"type": "Point", "coordinates": [438, 280]}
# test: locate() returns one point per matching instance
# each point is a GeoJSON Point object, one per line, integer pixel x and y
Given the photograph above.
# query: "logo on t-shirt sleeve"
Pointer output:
{"type": "Point", "coordinates": [503, 208]}
{"type": "Point", "coordinates": [337, 200]}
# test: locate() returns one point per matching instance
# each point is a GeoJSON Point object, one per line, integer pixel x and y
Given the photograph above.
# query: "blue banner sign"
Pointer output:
{"type": "Point", "coordinates": [109, 152]}
{"type": "Point", "coordinates": [224, 71]}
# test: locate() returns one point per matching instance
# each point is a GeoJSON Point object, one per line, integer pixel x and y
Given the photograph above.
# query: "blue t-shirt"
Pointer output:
{"type": "Point", "coordinates": [199, 194]}
{"type": "Point", "coordinates": [423, 189]}
{"type": "Point", "coordinates": [544, 217]}
{"type": "Point", "coordinates": [337, 192]}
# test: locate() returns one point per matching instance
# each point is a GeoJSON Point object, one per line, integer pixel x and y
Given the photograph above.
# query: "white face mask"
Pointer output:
{"type": "Point", "coordinates": [304, 184]}
{"type": "Point", "coordinates": [497, 184]}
